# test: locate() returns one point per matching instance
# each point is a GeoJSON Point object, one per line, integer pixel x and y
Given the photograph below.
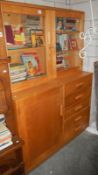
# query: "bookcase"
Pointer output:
{"type": "Point", "coordinates": [40, 46]}
{"type": "Point", "coordinates": [36, 49]}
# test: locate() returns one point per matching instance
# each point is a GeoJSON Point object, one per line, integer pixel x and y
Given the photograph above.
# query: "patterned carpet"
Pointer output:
{"type": "Point", "coordinates": [79, 157]}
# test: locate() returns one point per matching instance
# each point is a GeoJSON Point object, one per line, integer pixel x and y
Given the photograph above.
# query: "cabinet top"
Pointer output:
{"type": "Point", "coordinates": [21, 4]}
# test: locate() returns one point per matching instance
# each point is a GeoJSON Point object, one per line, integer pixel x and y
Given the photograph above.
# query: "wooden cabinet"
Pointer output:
{"type": "Point", "coordinates": [40, 122]}
{"type": "Point", "coordinates": [41, 65]}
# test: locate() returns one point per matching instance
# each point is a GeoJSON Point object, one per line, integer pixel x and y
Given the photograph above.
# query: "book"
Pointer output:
{"type": "Point", "coordinates": [63, 41]}
{"type": "Point", "coordinates": [70, 24]}
{"type": "Point", "coordinates": [5, 145]}
{"type": "Point", "coordinates": [2, 118]}
{"type": "Point", "coordinates": [73, 44]}
{"type": "Point", "coordinates": [18, 72]}
{"type": "Point", "coordinates": [59, 23]}
{"type": "Point", "coordinates": [32, 62]}
{"type": "Point", "coordinates": [9, 34]}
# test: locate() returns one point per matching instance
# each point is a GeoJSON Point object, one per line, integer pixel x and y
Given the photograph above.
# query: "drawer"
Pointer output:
{"type": "Point", "coordinates": [81, 120]}
{"type": "Point", "coordinates": [74, 109]}
{"type": "Point", "coordinates": [77, 97]}
{"type": "Point", "coordinates": [78, 85]}
{"type": "Point", "coordinates": [68, 129]}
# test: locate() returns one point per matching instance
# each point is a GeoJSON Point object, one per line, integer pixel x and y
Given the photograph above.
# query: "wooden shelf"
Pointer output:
{"type": "Point", "coordinates": [12, 170]}
{"type": "Point", "coordinates": [16, 144]}
{"type": "Point", "coordinates": [24, 49]}
{"type": "Point", "coordinates": [67, 32]}
{"type": "Point", "coordinates": [11, 159]}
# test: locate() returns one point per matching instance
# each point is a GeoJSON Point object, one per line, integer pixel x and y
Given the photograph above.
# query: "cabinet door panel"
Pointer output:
{"type": "Point", "coordinates": [41, 122]}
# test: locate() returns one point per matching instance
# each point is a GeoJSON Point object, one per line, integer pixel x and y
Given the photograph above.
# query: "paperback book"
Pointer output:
{"type": "Point", "coordinates": [32, 62]}
{"type": "Point", "coordinates": [73, 44]}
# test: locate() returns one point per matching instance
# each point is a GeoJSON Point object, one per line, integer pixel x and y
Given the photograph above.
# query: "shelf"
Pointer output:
{"type": "Point", "coordinates": [12, 170]}
{"type": "Point", "coordinates": [24, 48]}
{"type": "Point", "coordinates": [16, 144]}
{"type": "Point", "coordinates": [67, 32]}
{"type": "Point", "coordinates": [11, 161]}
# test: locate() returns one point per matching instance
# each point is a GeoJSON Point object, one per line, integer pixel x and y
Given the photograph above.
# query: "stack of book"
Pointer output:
{"type": "Point", "coordinates": [18, 72]}
{"type": "Point", "coordinates": [5, 134]}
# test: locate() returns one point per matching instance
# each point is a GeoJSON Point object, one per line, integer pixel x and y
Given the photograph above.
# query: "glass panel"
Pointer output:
{"type": "Point", "coordinates": [25, 42]}
{"type": "Point", "coordinates": [67, 30]}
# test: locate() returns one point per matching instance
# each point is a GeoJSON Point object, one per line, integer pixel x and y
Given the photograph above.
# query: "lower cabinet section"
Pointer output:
{"type": "Point", "coordinates": [48, 117]}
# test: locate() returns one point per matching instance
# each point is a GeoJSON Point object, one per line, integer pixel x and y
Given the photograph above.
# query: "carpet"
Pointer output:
{"type": "Point", "coordinates": [79, 157]}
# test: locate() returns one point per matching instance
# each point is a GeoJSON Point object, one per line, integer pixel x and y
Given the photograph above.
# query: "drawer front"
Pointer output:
{"type": "Point", "coordinates": [74, 109]}
{"type": "Point", "coordinates": [77, 97]}
{"type": "Point", "coordinates": [81, 120]}
{"type": "Point", "coordinates": [78, 85]}
{"type": "Point", "coordinates": [68, 129]}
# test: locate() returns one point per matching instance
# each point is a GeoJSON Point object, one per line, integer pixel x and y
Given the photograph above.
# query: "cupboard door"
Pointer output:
{"type": "Point", "coordinates": [40, 121]}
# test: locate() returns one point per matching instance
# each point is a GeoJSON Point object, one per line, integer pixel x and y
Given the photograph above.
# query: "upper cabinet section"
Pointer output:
{"type": "Point", "coordinates": [69, 24]}
{"type": "Point", "coordinates": [38, 41]}
{"type": "Point", "coordinates": [25, 42]}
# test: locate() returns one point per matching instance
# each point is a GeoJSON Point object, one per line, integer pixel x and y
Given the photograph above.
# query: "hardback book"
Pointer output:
{"type": "Point", "coordinates": [32, 62]}
{"type": "Point", "coordinates": [73, 44]}
{"type": "Point", "coordinates": [2, 118]}
{"type": "Point", "coordinates": [59, 23]}
{"type": "Point", "coordinates": [70, 24]}
{"type": "Point", "coordinates": [63, 41]}
{"type": "Point", "coordinates": [18, 72]}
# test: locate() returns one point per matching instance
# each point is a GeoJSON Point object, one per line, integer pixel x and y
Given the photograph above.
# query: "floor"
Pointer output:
{"type": "Point", "coordinates": [79, 157]}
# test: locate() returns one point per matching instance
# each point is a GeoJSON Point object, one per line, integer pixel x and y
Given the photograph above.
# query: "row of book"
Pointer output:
{"type": "Point", "coordinates": [66, 42]}
{"type": "Point", "coordinates": [17, 72]}
{"type": "Point", "coordinates": [69, 24]}
{"type": "Point", "coordinates": [30, 66]}
{"type": "Point", "coordinates": [5, 134]}
{"type": "Point", "coordinates": [20, 35]}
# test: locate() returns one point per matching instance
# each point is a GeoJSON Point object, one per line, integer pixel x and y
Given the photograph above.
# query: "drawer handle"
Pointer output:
{"type": "Point", "coordinates": [78, 97]}
{"type": "Point", "coordinates": [79, 85]}
{"type": "Point", "coordinates": [78, 128]}
{"type": "Point", "coordinates": [78, 108]}
{"type": "Point", "coordinates": [78, 118]}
